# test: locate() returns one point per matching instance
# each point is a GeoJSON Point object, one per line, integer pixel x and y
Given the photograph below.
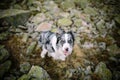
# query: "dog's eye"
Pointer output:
{"type": "Point", "coordinates": [69, 41]}
{"type": "Point", "coordinates": [62, 41]}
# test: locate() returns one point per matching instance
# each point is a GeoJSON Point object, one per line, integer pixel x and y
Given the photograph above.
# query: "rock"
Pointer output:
{"type": "Point", "coordinates": [38, 73]}
{"type": "Point", "coordinates": [25, 67]}
{"type": "Point", "coordinates": [64, 22]}
{"type": "Point", "coordinates": [24, 77]}
{"type": "Point", "coordinates": [103, 72]}
{"type": "Point", "coordinates": [78, 22]}
{"type": "Point", "coordinates": [64, 14]}
{"type": "Point", "coordinates": [3, 36]}
{"type": "Point", "coordinates": [116, 75]}
{"type": "Point", "coordinates": [44, 27]}
{"type": "Point", "coordinates": [81, 3]}
{"type": "Point", "coordinates": [4, 68]}
{"type": "Point", "coordinates": [100, 26]}
{"type": "Point", "coordinates": [67, 5]}
{"type": "Point", "coordinates": [14, 16]}
{"type": "Point", "coordinates": [90, 11]}
{"type": "Point", "coordinates": [113, 50]}
{"type": "Point", "coordinates": [102, 45]}
{"type": "Point", "coordinates": [3, 54]}
{"type": "Point", "coordinates": [117, 19]}
{"type": "Point", "coordinates": [34, 35]}
{"type": "Point", "coordinates": [22, 27]}
{"type": "Point", "coordinates": [118, 32]}
{"type": "Point", "coordinates": [25, 37]}
{"type": "Point", "coordinates": [38, 18]}
{"type": "Point", "coordinates": [31, 48]}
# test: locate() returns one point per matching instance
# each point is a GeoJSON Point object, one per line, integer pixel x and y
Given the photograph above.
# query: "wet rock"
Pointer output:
{"type": "Point", "coordinates": [25, 67]}
{"type": "Point", "coordinates": [3, 36]}
{"type": "Point", "coordinates": [67, 5]}
{"type": "Point", "coordinates": [44, 27]}
{"type": "Point", "coordinates": [64, 22]}
{"type": "Point", "coordinates": [31, 48]}
{"type": "Point", "coordinates": [81, 3]}
{"type": "Point", "coordinates": [14, 16]}
{"type": "Point", "coordinates": [3, 54]}
{"type": "Point", "coordinates": [25, 37]}
{"type": "Point", "coordinates": [90, 11]}
{"type": "Point", "coordinates": [103, 72]}
{"type": "Point", "coordinates": [78, 22]}
{"type": "Point", "coordinates": [4, 68]}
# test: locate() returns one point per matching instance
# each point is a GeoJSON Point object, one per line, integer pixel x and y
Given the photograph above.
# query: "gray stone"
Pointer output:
{"type": "Point", "coordinates": [25, 37]}
{"type": "Point", "coordinates": [3, 36]}
{"type": "Point", "coordinates": [14, 16]}
{"type": "Point", "coordinates": [25, 67]}
{"type": "Point", "coordinates": [3, 54]}
{"type": "Point", "coordinates": [67, 5]}
{"type": "Point", "coordinates": [64, 22]}
{"type": "Point", "coordinates": [31, 48]}
{"type": "Point", "coordinates": [81, 3]}
{"type": "Point", "coordinates": [4, 68]}
{"type": "Point", "coordinates": [91, 11]}
{"type": "Point", "coordinates": [103, 72]}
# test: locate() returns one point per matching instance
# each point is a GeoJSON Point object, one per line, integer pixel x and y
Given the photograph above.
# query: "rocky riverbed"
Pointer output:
{"type": "Point", "coordinates": [96, 53]}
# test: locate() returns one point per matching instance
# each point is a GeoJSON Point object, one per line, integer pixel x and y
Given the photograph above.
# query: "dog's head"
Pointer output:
{"type": "Point", "coordinates": [65, 42]}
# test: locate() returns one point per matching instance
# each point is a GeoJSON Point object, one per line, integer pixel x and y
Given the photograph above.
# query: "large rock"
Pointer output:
{"type": "Point", "coordinates": [3, 54]}
{"type": "Point", "coordinates": [15, 16]}
{"type": "Point", "coordinates": [4, 68]}
{"type": "Point", "coordinates": [64, 22]}
{"type": "Point", "coordinates": [103, 72]}
{"type": "Point", "coordinates": [35, 73]}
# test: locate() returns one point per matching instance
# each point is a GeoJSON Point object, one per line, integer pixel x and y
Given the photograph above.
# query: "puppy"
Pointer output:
{"type": "Point", "coordinates": [58, 46]}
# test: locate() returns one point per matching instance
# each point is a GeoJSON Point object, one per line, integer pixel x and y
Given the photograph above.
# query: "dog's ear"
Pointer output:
{"type": "Point", "coordinates": [61, 31]}
{"type": "Point", "coordinates": [72, 34]}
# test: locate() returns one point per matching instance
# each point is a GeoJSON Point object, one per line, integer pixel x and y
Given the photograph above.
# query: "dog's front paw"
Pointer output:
{"type": "Point", "coordinates": [42, 55]}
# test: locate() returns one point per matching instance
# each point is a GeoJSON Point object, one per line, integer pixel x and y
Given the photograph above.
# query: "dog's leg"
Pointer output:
{"type": "Point", "coordinates": [43, 52]}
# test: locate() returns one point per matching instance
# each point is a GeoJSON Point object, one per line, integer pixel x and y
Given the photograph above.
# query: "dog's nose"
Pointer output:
{"type": "Point", "coordinates": [66, 49]}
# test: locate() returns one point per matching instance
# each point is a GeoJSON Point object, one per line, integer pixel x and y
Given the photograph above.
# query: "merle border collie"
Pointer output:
{"type": "Point", "coordinates": [57, 45]}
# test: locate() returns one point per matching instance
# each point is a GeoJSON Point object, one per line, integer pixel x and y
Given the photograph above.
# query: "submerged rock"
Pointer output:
{"type": "Point", "coordinates": [3, 54]}
{"type": "Point", "coordinates": [31, 48]}
{"type": "Point", "coordinates": [15, 16]}
{"type": "Point", "coordinates": [4, 68]}
{"type": "Point", "coordinates": [64, 22]}
{"type": "Point", "coordinates": [103, 72]}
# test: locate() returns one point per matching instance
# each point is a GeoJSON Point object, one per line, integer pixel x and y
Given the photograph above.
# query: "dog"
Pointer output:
{"type": "Point", "coordinates": [57, 45]}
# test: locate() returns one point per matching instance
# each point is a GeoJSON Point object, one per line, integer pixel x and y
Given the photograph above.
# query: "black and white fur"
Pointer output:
{"type": "Point", "coordinates": [58, 46]}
